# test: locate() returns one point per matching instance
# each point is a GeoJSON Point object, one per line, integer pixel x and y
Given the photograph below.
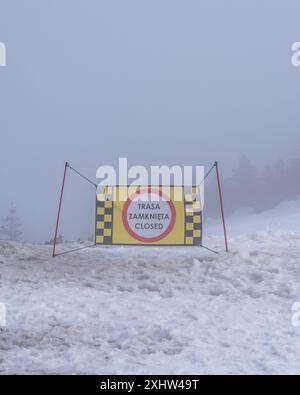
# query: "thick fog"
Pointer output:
{"type": "Point", "coordinates": [159, 82]}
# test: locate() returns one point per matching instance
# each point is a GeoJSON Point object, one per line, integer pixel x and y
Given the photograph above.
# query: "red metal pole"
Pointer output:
{"type": "Point", "coordinates": [59, 208]}
{"type": "Point", "coordinates": [222, 207]}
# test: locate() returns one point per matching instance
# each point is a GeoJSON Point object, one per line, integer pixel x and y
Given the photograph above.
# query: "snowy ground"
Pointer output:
{"type": "Point", "coordinates": [154, 310]}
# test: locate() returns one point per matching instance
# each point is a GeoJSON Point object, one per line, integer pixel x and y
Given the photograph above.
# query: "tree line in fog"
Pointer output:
{"type": "Point", "coordinates": [258, 189]}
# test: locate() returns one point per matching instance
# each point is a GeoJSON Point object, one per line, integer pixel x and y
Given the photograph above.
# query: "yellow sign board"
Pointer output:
{"type": "Point", "coordinates": [148, 215]}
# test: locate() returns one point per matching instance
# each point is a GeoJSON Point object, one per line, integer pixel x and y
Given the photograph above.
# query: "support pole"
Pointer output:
{"type": "Point", "coordinates": [59, 208]}
{"type": "Point", "coordinates": [221, 205]}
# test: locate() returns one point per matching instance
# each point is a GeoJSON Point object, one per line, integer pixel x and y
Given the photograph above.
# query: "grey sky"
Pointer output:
{"type": "Point", "coordinates": [160, 81]}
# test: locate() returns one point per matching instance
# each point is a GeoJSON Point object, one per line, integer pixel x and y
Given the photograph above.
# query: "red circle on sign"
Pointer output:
{"type": "Point", "coordinates": [137, 236]}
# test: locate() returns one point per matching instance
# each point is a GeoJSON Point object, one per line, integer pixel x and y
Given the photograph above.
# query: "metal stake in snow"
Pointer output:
{"type": "Point", "coordinates": [59, 208]}
{"type": "Point", "coordinates": [67, 165]}
{"type": "Point", "coordinates": [221, 205]}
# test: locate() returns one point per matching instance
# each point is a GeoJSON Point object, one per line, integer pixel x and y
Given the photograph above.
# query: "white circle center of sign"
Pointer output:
{"type": "Point", "coordinates": [148, 216]}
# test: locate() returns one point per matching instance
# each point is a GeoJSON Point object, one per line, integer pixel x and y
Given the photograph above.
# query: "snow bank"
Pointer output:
{"type": "Point", "coordinates": [286, 216]}
{"type": "Point", "coordinates": [129, 310]}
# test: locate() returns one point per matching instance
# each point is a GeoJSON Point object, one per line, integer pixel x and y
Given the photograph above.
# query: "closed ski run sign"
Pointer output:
{"type": "Point", "coordinates": [148, 215]}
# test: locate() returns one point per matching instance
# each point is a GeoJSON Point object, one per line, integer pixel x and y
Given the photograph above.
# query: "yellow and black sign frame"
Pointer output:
{"type": "Point", "coordinates": [110, 229]}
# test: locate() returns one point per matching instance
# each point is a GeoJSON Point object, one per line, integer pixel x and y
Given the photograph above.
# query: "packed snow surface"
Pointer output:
{"type": "Point", "coordinates": [155, 310]}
